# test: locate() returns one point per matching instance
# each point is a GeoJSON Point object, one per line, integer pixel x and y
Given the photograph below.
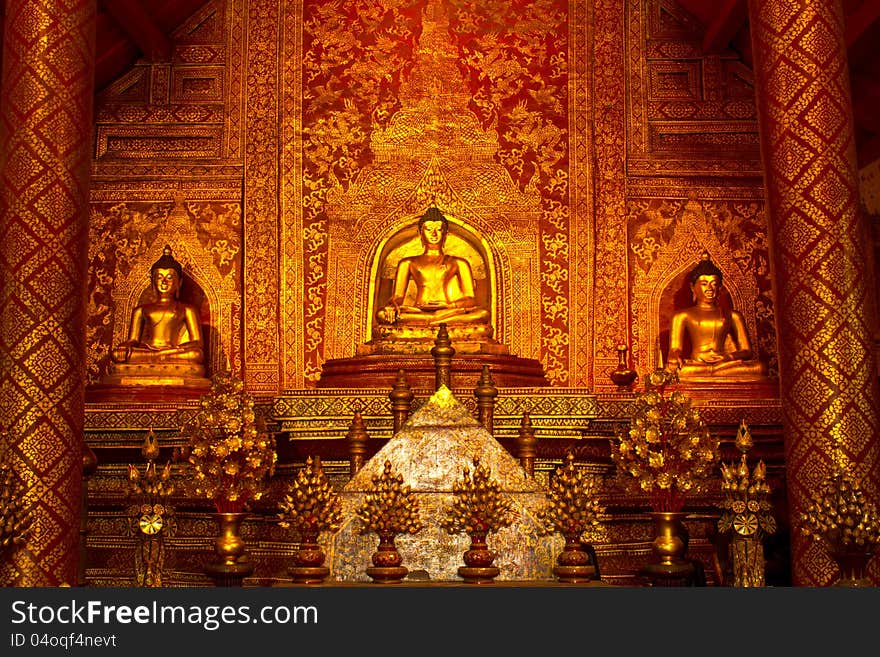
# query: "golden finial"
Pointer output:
{"type": "Point", "coordinates": [150, 448]}
{"type": "Point", "coordinates": [443, 398]}
{"type": "Point", "coordinates": [744, 440]}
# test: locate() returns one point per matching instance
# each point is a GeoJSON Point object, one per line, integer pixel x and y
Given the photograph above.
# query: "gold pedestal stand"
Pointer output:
{"type": "Point", "coordinates": [669, 568]}
{"type": "Point", "coordinates": [308, 561]}
{"type": "Point", "coordinates": [387, 568]}
{"type": "Point", "coordinates": [234, 564]}
{"type": "Point", "coordinates": [478, 568]}
{"type": "Point", "coordinates": [573, 563]}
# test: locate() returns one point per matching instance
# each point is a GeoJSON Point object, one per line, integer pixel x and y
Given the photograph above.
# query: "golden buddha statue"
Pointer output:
{"type": "Point", "coordinates": [164, 345]}
{"type": "Point", "coordinates": [719, 342]}
{"type": "Point", "coordinates": [444, 290]}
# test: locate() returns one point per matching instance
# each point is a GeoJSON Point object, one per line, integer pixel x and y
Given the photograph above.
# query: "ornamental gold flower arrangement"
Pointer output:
{"type": "Point", "coordinates": [478, 508]}
{"type": "Point", "coordinates": [229, 451]}
{"type": "Point", "coordinates": [310, 507]}
{"type": "Point", "coordinates": [572, 509]}
{"type": "Point", "coordinates": [746, 513]}
{"type": "Point", "coordinates": [667, 448]}
{"type": "Point", "coordinates": [840, 516]}
{"type": "Point", "coordinates": [389, 508]}
{"type": "Point", "coordinates": [573, 501]}
{"type": "Point", "coordinates": [16, 517]}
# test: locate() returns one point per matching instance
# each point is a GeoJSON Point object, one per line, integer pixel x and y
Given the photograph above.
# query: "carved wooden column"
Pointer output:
{"type": "Point", "coordinates": [401, 397]}
{"type": "Point", "coordinates": [45, 146]}
{"type": "Point", "coordinates": [824, 309]}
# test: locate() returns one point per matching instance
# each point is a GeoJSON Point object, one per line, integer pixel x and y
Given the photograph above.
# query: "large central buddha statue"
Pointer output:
{"type": "Point", "coordinates": [165, 344]}
{"type": "Point", "coordinates": [444, 283]}
{"type": "Point", "coordinates": [719, 347]}
{"type": "Point", "coordinates": [433, 288]}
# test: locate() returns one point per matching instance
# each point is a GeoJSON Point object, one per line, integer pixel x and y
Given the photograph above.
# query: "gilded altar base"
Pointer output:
{"type": "Point", "coordinates": [316, 422]}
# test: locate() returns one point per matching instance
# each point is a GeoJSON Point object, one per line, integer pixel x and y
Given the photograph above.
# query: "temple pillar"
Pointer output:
{"type": "Point", "coordinates": [824, 307]}
{"type": "Point", "coordinates": [45, 157]}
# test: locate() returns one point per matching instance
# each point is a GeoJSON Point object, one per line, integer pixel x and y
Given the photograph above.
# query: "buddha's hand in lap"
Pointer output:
{"type": "Point", "coordinates": [388, 314]}
{"type": "Point", "coordinates": [713, 357]}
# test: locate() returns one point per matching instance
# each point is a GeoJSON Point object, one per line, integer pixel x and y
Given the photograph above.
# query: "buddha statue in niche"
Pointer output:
{"type": "Point", "coordinates": [433, 288]}
{"type": "Point", "coordinates": [165, 344]}
{"type": "Point", "coordinates": [719, 346]}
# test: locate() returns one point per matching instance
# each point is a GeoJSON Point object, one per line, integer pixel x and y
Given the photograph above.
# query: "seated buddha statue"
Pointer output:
{"type": "Point", "coordinates": [444, 291]}
{"type": "Point", "coordinates": [719, 342]}
{"type": "Point", "coordinates": [164, 345]}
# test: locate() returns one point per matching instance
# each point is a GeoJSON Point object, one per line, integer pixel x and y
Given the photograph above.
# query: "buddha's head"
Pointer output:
{"type": "Point", "coordinates": [706, 280]}
{"type": "Point", "coordinates": [166, 274]}
{"type": "Point", "coordinates": [433, 227]}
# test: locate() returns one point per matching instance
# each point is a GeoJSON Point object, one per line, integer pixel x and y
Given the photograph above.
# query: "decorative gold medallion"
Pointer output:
{"type": "Point", "coordinates": [151, 523]}
{"type": "Point", "coordinates": [745, 524]}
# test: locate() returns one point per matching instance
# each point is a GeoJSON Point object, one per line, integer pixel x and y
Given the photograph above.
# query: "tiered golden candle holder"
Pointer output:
{"type": "Point", "coordinates": [310, 507]}
{"type": "Point", "coordinates": [841, 518]}
{"type": "Point", "coordinates": [478, 509]}
{"type": "Point", "coordinates": [389, 508]}
{"type": "Point", "coordinates": [151, 513]}
{"type": "Point", "coordinates": [747, 515]}
{"type": "Point", "coordinates": [572, 509]}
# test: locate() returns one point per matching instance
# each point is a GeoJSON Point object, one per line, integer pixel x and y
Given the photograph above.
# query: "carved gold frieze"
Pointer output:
{"type": "Point", "coordinates": [263, 143]}
{"type": "Point", "coordinates": [581, 194]}
{"type": "Point", "coordinates": [610, 148]}
{"type": "Point", "coordinates": [197, 84]}
{"type": "Point", "coordinates": [122, 141]}
{"type": "Point", "coordinates": [174, 113]}
{"type": "Point", "coordinates": [688, 110]}
{"type": "Point", "coordinates": [673, 80]}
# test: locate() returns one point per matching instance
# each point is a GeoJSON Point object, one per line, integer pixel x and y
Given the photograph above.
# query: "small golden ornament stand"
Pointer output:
{"type": "Point", "coordinates": [308, 561]}
{"type": "Point", "coordinates": [478, 559]}
{"type": "Point", "coordinates": [387, 568]}
{"type": "Point", "coordinates": [234, 564]}
{"type": "Point", "coordinates": [669, 568]}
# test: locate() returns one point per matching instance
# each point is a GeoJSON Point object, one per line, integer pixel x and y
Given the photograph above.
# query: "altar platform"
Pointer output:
{"type": "Point", "coordinates": [316, 423]}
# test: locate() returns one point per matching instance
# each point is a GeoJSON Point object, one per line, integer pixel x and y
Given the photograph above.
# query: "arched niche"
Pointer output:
{"type": "Point", "coordinates": [198, 288]}
{"type": "Point", "coordinates": [664, 289]}
{"type": "Point", "coordinates": [461, 241]}
{"type": "Point", "coordinates": [677, 295]}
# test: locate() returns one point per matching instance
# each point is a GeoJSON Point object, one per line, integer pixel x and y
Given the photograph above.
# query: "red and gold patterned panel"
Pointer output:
{"type": "Point", "coordinates": [261, 286]}
{"type": "Point", "coordinates": [611, 322]}
{"type": "Point", "coordinates": [48, 73]}
{"type": "Point", "coordinates": [513, 57]}
{"type": "Point", "coordinates": [829, 381]}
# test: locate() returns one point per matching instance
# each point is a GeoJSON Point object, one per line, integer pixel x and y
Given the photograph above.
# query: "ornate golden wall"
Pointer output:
{"type": "Point", "coordinates": [287, 142]}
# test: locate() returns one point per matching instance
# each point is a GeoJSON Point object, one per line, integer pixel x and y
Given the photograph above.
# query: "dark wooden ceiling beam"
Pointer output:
{"type": "Point", "coordinates": [731, 16]}
{"type": "Point", "coordinates": [140, 28]}
{"type": "Point", "coordinates": [860, 20]}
